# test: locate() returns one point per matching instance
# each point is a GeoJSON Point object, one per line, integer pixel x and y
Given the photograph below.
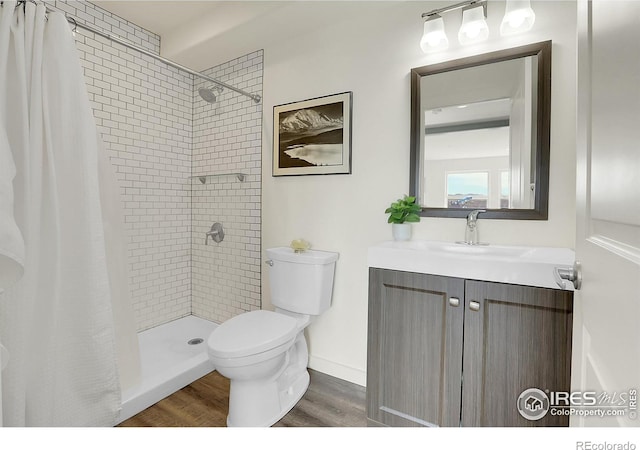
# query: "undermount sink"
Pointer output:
{"type": "Point", "coordinates": [530, 266]}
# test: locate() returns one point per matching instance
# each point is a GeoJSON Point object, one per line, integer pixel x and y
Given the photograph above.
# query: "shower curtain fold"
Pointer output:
{"type": "Point", "coordinates": [57, 320]}
{"type": "Point", "coordinates": [11, 241]}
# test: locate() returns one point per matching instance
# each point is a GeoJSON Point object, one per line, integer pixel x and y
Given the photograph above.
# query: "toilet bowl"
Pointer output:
{"type": "Point", "coordinates": [264, 353]}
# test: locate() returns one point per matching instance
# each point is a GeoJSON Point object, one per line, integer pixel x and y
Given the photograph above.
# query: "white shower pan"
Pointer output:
{"type": "Point", "coordinates": [168, 362]}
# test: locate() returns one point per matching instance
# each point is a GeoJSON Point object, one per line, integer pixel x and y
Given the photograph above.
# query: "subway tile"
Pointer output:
{"type": "Point", "coordinates": [157, 131]}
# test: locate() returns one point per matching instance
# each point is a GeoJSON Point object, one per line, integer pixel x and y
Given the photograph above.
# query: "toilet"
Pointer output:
{"type": "Point", "coordinates": [264, 353]}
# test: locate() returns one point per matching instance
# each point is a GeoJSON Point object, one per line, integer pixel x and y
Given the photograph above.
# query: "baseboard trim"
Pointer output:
{"type": "Point", "coordinates": [338, 370]}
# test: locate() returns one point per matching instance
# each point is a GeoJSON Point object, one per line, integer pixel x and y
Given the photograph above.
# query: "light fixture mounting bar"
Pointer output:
{"type": "Point", "coordinates": [455, 6]}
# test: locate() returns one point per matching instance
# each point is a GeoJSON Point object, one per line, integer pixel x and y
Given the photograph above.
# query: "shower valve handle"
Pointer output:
{"type": "Point", "coordinates": [216, 233]}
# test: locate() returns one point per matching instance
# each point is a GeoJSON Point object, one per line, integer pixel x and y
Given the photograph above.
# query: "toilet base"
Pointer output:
{"type": "Point", "coordinates": [261, 402]}
{"type": "Point", "coordinates": [268, 403]}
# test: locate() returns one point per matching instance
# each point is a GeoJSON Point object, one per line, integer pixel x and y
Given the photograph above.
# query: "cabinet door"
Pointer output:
{"type": "Point", "coordinates": [515, 338]}
{"type": "Point", "coordinates": [415, 349]}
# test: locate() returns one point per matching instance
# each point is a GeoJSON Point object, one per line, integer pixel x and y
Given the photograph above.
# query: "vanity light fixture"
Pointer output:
{"type": "Point", "coordinates": [519, 17]}
{"type": "Point", "coordinates": [434, 38]}
{"type": "Point", "coordinates": [474, 27]}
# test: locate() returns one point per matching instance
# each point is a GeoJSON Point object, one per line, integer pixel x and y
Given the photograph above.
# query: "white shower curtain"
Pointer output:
{"type": "Point", "coordinates": [57, 320]}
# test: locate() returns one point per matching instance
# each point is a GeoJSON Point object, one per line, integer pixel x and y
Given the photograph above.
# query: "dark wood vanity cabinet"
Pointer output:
{"type": "Point", "coordinates": [414, 360]}
{"type": "Point", "coordinates": [452, 352]}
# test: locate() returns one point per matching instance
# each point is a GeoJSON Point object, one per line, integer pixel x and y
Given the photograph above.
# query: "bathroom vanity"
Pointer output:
{"type": "Point", "coordinates": [457, 333]}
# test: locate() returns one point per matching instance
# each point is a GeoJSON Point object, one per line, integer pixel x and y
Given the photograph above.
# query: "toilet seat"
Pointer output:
{"type": "Point", "coordinates": [251, 333]}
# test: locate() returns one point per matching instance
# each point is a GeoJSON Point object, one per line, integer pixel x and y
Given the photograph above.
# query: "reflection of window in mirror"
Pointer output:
{"type": "Point", "coordinates": [467, 190]}
{"type": "Point", "coordinates": [505, 184]}
{"type": "Point", "coordinates": [466, 138]}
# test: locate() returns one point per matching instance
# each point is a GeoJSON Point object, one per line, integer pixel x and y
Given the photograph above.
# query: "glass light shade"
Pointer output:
{"type": "Point", "coordinates": [474, 27]}
{"type": "Point", "coordinates": [434, 37]}
{"type": "Point", "coordinates": [518, 17]}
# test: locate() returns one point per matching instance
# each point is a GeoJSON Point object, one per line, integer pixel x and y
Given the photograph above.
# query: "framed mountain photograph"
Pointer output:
{"type": "Point", "coordinates": [313, 137]}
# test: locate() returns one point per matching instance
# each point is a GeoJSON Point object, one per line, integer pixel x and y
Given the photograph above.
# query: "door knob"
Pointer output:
{"type": "Point", "coordinates": [454, 301]}
{"type": "Point", "coordinates": [474, 306]}
{"type": "Point", "coordinates": [573, 274]}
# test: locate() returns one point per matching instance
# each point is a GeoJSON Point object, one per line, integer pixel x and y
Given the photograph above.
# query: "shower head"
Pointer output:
{"type": "Point", "coordinates": [208, 95]}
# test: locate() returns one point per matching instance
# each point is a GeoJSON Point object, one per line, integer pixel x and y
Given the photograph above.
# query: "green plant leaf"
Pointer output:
{"type": "Point", "coordinates": [404, 210]}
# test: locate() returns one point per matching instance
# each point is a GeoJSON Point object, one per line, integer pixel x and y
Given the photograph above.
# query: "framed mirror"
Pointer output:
{"type": "Point", "coordinates": [480, 134]}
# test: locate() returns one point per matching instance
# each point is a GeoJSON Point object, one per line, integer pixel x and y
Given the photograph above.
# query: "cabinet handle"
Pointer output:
{"type": "Point", "coordinates": [454, 301]}
{"type": "Point", "coordinates": [474, 306]}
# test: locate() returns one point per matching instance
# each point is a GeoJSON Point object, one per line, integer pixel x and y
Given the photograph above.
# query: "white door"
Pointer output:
{"type": "Point", "coordinates": [606, 351]}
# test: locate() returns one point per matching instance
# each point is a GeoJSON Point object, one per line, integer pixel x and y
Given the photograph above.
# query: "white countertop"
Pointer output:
{"type": "Point", "coordinates": [529, 266]}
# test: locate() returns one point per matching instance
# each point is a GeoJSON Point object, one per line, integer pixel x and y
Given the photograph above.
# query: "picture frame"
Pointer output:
{"type": "Point", "coordinates": [313, 137]}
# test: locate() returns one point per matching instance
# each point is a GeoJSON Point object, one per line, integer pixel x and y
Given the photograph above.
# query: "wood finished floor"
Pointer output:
{"type": "Point", "coordinates": [329, 402]}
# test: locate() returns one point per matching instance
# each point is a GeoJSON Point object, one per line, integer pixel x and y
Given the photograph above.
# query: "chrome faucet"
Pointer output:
{"type": "Point", "coordinates": [471, 236]}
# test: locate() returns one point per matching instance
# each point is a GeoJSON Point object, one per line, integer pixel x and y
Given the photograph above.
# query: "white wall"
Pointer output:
{"type": "Point", "coordinates": [371, 55]}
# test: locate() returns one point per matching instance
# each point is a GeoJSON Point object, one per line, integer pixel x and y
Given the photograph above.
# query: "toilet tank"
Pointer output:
{"type": "Point", "coordinates": [301, 282]}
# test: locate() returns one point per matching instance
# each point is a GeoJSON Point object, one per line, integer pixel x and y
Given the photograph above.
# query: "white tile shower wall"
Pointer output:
{"type": "Point", "coordinates": [143, 109]}
{"type": "Point", "coordinates": [227, 139]}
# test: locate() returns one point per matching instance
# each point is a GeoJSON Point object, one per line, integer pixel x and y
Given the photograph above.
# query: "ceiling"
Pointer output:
{"type": "Point", "coordinates": [186, 26]}
{"type": "Point", "coordinates": [162, 17]}
{"type": "Point", "coordinates": [202, 34]}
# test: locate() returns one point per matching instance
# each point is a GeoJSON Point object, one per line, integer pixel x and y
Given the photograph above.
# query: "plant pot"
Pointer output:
{"type": "Point", "coordinates": [401, 231]}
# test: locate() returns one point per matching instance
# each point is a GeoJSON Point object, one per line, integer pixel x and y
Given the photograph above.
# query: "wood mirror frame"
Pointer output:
{"type": "Point", "coordinates": [543, 51]}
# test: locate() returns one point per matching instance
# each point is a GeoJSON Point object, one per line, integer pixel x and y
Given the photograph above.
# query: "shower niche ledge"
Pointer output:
{"type": "Point", "coordinates": [206, 178]}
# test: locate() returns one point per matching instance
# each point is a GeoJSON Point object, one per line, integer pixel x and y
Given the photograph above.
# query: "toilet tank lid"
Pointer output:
{"type": "Point", "coordinates": [251, 333]}
{"type": "Point", "coordinates": [308, 257]}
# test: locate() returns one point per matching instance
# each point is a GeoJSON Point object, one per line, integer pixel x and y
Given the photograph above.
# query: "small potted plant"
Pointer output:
{"type": "Point", "coordinates": [401, 213]}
